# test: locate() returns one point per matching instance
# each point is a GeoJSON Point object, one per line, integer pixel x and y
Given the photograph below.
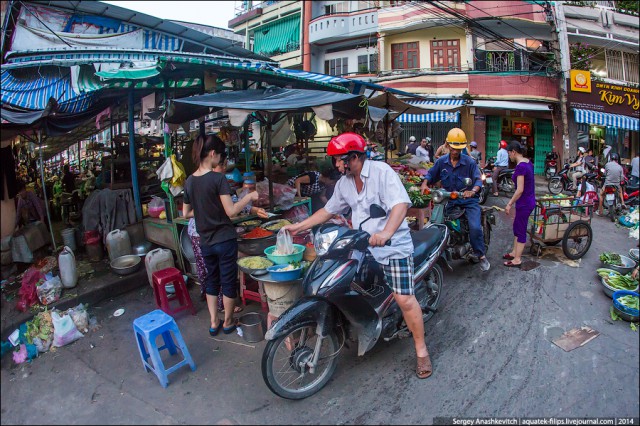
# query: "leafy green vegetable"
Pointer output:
{"type": "Point", "coordinates": [629, 301]}
{"type": "Point", "coordinates": [611, 258]}
{"type": "Point", "coordinates": [614, 314]}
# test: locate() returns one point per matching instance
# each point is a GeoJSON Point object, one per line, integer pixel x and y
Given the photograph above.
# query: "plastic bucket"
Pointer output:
{"type": "Point", "coordinates": [69, 238]}
{"type": "Point", "coordinates": [281, 296]}
{"type": "Point", "coordinates": [252, 329]}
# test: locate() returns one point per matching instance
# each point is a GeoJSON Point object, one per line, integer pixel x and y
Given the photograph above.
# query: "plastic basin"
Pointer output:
{"type": "Point", "coordinates": [285, 259]}
{"type": "Point", "coordinates": [630, 313]}
{"type": "Point", "coordinates": [286, 275]}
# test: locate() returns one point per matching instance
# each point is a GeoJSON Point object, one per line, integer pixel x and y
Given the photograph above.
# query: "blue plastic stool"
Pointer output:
{"type": "Point", "coordinates": [150, 326]}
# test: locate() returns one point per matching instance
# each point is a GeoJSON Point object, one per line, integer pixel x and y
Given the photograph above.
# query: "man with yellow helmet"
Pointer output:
{"type": "Point", "coordinates": [451, 169]}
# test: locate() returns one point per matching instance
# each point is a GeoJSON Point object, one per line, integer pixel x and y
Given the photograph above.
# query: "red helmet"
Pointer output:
{"type": "Point", "coordinates": [346, 143]}
{"type": "Point", "coordinates": [503, 144]}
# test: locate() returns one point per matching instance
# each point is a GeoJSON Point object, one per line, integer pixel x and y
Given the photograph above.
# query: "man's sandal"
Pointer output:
{"type": "Point", "coordinates": [423, 367]}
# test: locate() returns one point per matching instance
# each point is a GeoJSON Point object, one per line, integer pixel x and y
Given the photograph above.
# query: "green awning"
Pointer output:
{"type": "Point", "coordinates": [278, 37]}
{"type": "Point", "coordinates": [129, 73]}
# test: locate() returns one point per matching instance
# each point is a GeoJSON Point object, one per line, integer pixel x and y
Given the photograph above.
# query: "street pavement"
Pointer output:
{"type": "Point", "coordinates": [490, 345]}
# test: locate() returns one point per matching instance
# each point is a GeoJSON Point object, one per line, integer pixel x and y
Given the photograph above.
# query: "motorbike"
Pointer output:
{"type": "Point", "coordinates": [562, 182]}
{"type": "Point", "coordinates": [345, 299]}
{"type": "Point", "coordinates": [550, 164]}
{"type": "Point", "coordinates": [459, 246]}
{"type": "Point", "coordinates": [487, 182]}
{"type": "Point", "coordinates": [612, 201]}
{"type": "Point", "coordinates": [505, 183]}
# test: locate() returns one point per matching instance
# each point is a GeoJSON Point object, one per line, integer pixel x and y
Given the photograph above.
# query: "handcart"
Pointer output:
{"type": "Point", "coordinates": [561, 219]}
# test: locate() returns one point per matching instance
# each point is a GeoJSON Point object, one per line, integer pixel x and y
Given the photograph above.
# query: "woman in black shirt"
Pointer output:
{"type": "Point", "coordinates": [208, 194]}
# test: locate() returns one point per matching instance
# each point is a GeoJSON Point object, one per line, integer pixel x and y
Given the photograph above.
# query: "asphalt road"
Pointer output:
{"type": "Point", "coordinates": [490, 345]}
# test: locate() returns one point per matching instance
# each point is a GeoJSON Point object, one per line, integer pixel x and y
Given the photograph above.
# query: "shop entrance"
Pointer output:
{"type": "Point", "coordinates": [535, 134]}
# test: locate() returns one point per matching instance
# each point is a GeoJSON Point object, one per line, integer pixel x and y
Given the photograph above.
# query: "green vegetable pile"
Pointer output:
{"type": "Point", "coordinates": [40, 326]}
{"type": "Point", "coordinates": [616, 280]}
{"type": "Point", "coordinates": [611, 258]}
{"type": "Point", "coordinates": [629, 301]}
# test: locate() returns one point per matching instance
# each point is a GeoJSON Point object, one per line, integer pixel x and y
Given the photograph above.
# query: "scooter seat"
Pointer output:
{"type": "Point", "coordinates": [506, 171]}
{"type": "Point", "coordinates": [425, 242]}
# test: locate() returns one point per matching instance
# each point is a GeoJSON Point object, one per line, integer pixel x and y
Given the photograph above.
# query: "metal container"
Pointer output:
{"type": "Point", "coordinates": [627, 265]}
{"type": "Point", "coordinates": [127, 264]}
{"type": "Point", "coordinates": [252, 327]}
{"type": "Point", "coordinates": [633, 253]}
{"type": "Point", "coordinates": [255, 246]}
{"type": "Point", "coordinates": [142, 249]}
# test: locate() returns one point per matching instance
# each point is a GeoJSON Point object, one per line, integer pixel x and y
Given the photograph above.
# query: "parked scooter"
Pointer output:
{"type": "Point", "coordinates": [505, 183]}
{"type": "Point", "coordinates": [346, 299]}
{"type": "Point", "coordinates": [550, 164]}
{"type": "Point", "coordinates": [612, 202]}
{"type": "Point", "coordinates": [456, 221]}
{"type": "Point", "coordinates": [562, 182]}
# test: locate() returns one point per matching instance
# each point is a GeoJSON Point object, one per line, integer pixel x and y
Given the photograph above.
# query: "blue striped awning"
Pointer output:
{"type": "Point", "coordinates": [605, 119]}
{"type": "Point", "coordinates": [434, 117]}
{"type": "Point", "coordinates": [32, 91]}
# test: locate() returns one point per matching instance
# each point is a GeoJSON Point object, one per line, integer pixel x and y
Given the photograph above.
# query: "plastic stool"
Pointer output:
{"type": "Point", "coordinates": [150, 326]}
{"type": "Point", "coordinates": [246, 294]}
{"type": "Point", "coordinates": [173, 276]}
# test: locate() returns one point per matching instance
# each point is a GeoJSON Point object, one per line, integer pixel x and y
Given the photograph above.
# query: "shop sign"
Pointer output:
{"type": "Point", "coordinates": [610, 98]}
{"type": "Point", "coordinates": [480, 118]}
{"type": "Point", "coordinates": [580, 81]}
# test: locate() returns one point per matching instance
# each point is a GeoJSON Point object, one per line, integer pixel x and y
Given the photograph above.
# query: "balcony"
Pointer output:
{"type": "Point", "coordinates": [343, 25]}
{"type": "Point", "coordinates": [513, 60]}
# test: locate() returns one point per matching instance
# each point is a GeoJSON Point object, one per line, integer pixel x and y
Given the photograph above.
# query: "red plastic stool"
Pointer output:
{"type": "Point", "coordinates": [256, 296]}
{"type": "Point", "coordinates": [167, 276]}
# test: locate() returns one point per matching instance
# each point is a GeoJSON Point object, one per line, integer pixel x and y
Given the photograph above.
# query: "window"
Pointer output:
{"type": "Point", "coordinates": [445, 55]}
{"type": "Point", "coordinates": [622, 66]}
{"type": "Point", "coordinates": [339, 7]}
{"type": "Point", "coordinates": [368, 64]}
{"type": "Point", "coordinates": [337, 66]}
{"type": "Point", "coordinates": [405, 56]}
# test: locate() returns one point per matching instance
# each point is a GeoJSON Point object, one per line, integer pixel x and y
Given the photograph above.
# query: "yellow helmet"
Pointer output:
{"type": "Point", "coordinates": [456, 138]}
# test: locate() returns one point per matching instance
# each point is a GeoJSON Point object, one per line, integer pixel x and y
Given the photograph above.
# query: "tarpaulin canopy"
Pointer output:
{"type": "Point", "coordinates": [241, 103]}
{"type": "Point", "coordinates": [393, 103]}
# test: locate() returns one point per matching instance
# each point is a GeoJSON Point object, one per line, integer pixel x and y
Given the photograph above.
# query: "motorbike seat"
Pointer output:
{"type": "Point", "coordinates": [506, 171]}
{"type": "Point", "coordinates": [590, 175]}
{"type": "Point", "coordinates": [425, 242]}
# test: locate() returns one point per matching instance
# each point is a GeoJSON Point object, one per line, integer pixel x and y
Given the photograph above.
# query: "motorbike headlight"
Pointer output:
{"type": "Point", "coordinates": [322, 242]}
{"type": "Point", "coordinates": [602, 170]}
{"type": "Point", "coordinates": [484, 177]}
{"type": "Point", "coordinates": [437, 196]}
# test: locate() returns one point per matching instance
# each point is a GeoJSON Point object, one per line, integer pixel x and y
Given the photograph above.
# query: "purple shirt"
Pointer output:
{"type": "Point", "coordinates": [528, 197]}
{"type": "Point", "coordinates": [33, 204]}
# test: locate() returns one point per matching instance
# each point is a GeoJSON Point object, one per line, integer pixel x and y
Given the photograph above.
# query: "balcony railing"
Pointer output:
{"type": "Point", "coordinates": [513, 60]}
{"type": "Point", "coordinates": [629, 7]}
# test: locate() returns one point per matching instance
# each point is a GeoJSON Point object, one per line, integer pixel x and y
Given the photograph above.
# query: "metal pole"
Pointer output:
{"type": "Point", "coordinates": [44, 191]}
{"type": "Point", "coordinates": [132, 158]}
{"type": "Point", "coordinates": [269, 162]}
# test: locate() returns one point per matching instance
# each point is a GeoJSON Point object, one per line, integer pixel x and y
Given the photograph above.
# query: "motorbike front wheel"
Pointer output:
{"type": "Point", "coordinates": [484, 194]}
{"type": "Point", "coordinates": [555, 186]}
{"type": "Point", "coordinates": [285, 362]}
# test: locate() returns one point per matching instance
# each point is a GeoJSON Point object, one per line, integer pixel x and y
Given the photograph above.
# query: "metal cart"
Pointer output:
{"type": "Point", "coordinates": [563, 220]}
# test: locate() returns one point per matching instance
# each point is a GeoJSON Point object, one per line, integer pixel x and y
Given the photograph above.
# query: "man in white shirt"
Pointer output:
{"type": "Point", "coordinates": [502, 162]}
{"type": "Point", "coordinates": [579, 168]}
{"type": "Point", "coordinates": [422, 151]}
{"type": "Point", "coordinates": [635, 171]}
{"type": "Point", "coordinates": [364, 183]}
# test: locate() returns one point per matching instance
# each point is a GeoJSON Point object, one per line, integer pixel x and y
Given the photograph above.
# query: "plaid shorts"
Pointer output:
{"type": "Point", "coordinates": [398, 274]}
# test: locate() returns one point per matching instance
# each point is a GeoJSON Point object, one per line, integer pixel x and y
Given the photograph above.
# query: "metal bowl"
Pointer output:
{"type": "Point", "coordinates": [250, 271]}
{"type": "Point", "coordinates": [608, 290]}
{"type": "Point", "coordinates": [125, 265]}
{"type": "Point", "coordinates": [142, 249]}
{"type": "Point", "coordinates": [633, 254]}
{"type": "Point", "coordinates": [266, 225]}
{"type": "Point", "coordinates": [255, 246]}
{"type": "Point", "coordinates": [627, 265]}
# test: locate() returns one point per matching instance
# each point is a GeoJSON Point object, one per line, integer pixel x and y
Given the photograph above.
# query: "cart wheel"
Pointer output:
{"type": "Point", "coordinates": [535, 250]}
{"type": "Point", "coordinates": [577, 240]}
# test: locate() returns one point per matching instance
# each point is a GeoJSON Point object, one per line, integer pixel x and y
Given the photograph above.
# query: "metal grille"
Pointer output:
{"type": "Point", "coordinates": [630, 67]}
{"type": "Point", "coordinates": [615, 68]}
{"type": "Point", "coordinates": [436, 131]}
{"type": "Point", "coordinates": [500, 61]}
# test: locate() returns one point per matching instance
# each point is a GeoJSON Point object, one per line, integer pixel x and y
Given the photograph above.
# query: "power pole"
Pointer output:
{"type": "Point", "coordinates": [562, 60]}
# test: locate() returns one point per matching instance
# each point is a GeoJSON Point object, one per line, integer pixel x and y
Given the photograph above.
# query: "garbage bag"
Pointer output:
{"type": "Point", "coordinates": [64, 330]}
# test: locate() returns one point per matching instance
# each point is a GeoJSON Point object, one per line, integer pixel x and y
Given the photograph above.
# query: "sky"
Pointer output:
{"type": "Point", "coordinates": [214, 13]}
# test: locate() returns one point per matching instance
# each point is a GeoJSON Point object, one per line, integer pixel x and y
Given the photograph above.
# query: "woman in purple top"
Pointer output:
{"type": "Point", "coordinates": [525, 200]}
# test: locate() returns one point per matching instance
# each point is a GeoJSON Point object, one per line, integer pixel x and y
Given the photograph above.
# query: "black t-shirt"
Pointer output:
{"type": "Point", "coordinates": [203, 194]}
{"type": "Point", "coordinates": [69, 182]}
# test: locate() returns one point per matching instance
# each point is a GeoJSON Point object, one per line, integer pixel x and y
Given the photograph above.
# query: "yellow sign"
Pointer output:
{"type": "Point", "coordinates": [580, 81]}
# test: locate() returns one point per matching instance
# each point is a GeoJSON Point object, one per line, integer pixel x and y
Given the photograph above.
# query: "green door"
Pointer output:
{"type": "Point", "coordinates": [494, 134]}
{"type": "Point", "coordinates": [543, 143]}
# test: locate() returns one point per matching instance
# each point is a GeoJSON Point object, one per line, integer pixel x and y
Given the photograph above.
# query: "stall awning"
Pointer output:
{"type": "Point", "coordinates": [512, 105]}
{"type": "Point", "coordinates": [605, 119]}
{"type": "Point", "coordinates": [278, 37]}
{"type": "Point", "coordinates": [434, 117]}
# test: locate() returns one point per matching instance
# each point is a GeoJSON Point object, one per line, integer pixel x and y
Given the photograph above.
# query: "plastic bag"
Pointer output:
{"type": "Point", "coordinates": [27, 293]}
{"type": "Point", "coordinates": [80, 317]}
{"type": "Point", "coordinates": [64, 330]}
{"type": "Point", "coordinates": [156, 203]}
{"type": "Point", "coordinates": [284, 243]}
{"type": "Point", "coordinates": [283, 195]}
{"type": "Point", "coordinates": [49, 291]}
{"type": "Point", "coordinates": [296, 214]}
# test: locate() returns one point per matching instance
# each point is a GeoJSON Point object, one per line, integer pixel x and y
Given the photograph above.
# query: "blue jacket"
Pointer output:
{"type": "Point", "coordinates": [453, 178]}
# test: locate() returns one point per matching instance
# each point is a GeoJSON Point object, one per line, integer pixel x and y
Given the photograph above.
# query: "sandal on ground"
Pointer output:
{"type": "Point", "coordinates": [229, 330]}
{"type": "Point", "coordinates": [423, 367]}
{"type": "Point", "coordinates": [215, 331]}
{"type": "Point", "coordinates": [236, 310]}
{"type": "Point", "coordinates": [507, 256]}
{"type": "Point", "coordinates": [496, 194]}
{"type": "Point", "coordinates": [510, 264]}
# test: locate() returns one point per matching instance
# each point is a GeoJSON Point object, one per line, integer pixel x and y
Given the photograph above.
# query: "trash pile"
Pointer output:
{"type": "Point", "coordinates": [631, 221]}
{"type": "Point", "coordinates": [48, 329]}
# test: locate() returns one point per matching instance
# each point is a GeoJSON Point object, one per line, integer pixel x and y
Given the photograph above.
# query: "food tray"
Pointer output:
{"type": "Point", "coordinates": [266, 225]}
{"type": "Point", "coordinates": [253, 271]}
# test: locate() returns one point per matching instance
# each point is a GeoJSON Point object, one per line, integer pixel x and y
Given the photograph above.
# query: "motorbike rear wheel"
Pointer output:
{"type": "Point", "coordinates": [284, 362]}
{"type": "Point", "coordinates": [555, 185]}
{"type": "Point", "coordinates": [429, 292]}
{"type": "Point", "coordinates": [507, 185]}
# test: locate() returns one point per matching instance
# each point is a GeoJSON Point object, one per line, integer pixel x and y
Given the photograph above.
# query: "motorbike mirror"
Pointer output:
{"type": "Point", "coordinates": [376, 212]}
{"type": "Point", "coordinates": [467, 182]}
